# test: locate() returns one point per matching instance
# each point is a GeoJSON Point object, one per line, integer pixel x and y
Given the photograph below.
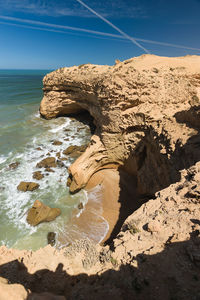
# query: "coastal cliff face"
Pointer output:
{"type": "Point", "coordinates": [146, 112]}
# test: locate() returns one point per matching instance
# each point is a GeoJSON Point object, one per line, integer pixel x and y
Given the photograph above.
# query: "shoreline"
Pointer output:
{"type": "Point", "coordinates": [118, 201]}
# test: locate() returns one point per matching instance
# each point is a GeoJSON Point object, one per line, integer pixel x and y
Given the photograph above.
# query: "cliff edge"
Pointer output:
{"type": "Point", "coordinates": [146, 109]}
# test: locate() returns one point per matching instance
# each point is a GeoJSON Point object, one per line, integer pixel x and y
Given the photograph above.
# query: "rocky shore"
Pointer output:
{"type": "Point", "coordinates": [145, 155]}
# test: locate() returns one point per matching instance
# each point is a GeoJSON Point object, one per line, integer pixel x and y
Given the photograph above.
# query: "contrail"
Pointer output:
{"type": "Point", "coordinates": [98, 33]}
{"type": "Point", "coordinates": [115, 38]}
{"type": "Point", "coordinates": [57, 26]}
{"type": "Point", "coordinates": [113, 26]}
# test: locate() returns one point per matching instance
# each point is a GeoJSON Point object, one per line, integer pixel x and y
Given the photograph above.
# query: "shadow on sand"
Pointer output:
{"type": "Point", "coordinates": [172, 274]}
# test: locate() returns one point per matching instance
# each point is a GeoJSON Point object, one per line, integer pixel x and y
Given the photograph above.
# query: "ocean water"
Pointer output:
{"type": "Point", "coordinates": [22, 131]}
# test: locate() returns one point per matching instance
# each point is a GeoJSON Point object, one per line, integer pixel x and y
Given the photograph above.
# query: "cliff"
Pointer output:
{"type": "Point", "coordinates": [146, 111]}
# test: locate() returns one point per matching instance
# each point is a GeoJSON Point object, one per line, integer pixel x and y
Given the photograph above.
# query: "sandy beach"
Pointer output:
{"type": "Point", "coordinates": [119, 198]}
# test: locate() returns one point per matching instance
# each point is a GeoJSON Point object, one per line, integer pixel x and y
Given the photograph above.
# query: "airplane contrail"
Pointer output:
{"type": "Point", "coordinates": [27, 21]}
{"type": "Point", "coordinates": [115, 38]}
{"type": "Point", "coordinates": [113, 26]}
{"type": "Point", "coordinates": [98, 33]}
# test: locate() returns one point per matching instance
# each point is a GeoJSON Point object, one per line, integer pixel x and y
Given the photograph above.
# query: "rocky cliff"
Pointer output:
{"type": "Point", "coordinates": [146, 112]}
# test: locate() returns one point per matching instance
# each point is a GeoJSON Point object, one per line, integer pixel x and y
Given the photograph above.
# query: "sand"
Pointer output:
{"type": "Point", "coordinates": [119, 198]}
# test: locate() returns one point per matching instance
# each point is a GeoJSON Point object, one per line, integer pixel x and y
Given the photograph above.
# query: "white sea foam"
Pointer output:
{"type": "Point", "coordinates": [61, 127]}
{"type": "Point", "coordinates": [52, 187]}
{"type": "Point", "coordinates": [2, 159]}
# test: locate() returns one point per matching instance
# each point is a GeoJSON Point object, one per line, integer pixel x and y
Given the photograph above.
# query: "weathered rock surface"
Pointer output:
{"type": "Point", "coordinates": [147, 115]}
{"type": "Point", "coordinates": [160, 263]}
{"type": "Point", "coordinates": [27, 186]}
{"type": "Point", "coordinates": [57, 143]}
{"type": "Point", "coordinates": [41, 213]}
{"type": "Point", "coordinates": [38, 175]}
{"type": "Point", "coordinates": [74, 150]}
{"type": "Point", "coordinates": [49, 162]}
{"type": "Point", "coordinates": [11, 291]}
{"type": "Point", "coordinates": [14, 165]}
{"type": "Point", "coordinates": [146, 111]}
{"type": "Point", "coordinates": [51, 238]}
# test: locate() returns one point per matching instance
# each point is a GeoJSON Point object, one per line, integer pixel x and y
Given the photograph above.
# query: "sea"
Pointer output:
{"type": "Point", "coordinates": [26, 138]}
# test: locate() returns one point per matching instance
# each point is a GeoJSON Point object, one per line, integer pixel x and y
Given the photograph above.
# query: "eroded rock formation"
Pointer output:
{"type": "Point", "coordinates": [146, 112]}
{"type": "Point", "coordinates": [40, 212]}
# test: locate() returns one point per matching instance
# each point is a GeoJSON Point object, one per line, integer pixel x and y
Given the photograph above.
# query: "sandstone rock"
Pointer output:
{"type": "Point", "coordinates": [80, 205]}
{"type": "Point", "coordinates": [49, 162]}
{"type": "Point", "coordinates": [12, 291]}
{"type": "Point", "coordinates": [70, 149]}
{"type": "Point", "coordinates": [49, 170]}
{"type": "Point", "coordinates": [38, 175]}
{"type": "Point", "coordinates": [58, 154]}
{"type": "Point", "coordinates": [69, 181]}
{"type": "Point", "coordinates": [38, 148]}
{"type": "Point", "coordinates": [141, 107]}
{"type": "Point", "coordinates": [41, 213]}
{"type": "Point", "coordinates": [27, 186]}
{"type": "Point", "coordinates": [57, 143]}
{"type": "Point", "coordinates": [154, 226]}
{"type": "Point", "coordinates": [14, 165]}
{"type": "Point", "coordinates": [60, 163]}
{"type": "Point", "coordinates": [51, 238]}
{"type": "Point", "coordinates": [63, 158]}
{"type": "Point", "coordinates": [74, 151]}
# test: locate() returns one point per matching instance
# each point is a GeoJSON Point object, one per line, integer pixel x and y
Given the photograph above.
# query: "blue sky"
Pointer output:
{"type": "Point", "coordinates": [48, 34]}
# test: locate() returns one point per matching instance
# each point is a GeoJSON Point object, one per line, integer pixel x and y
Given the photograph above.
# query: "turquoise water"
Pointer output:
{"type": "Point", "coordinates": [21, 132]}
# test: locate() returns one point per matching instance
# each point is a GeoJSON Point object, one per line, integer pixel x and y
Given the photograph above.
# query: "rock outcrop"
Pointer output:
{"type": "Point", "coordinates": [49, 162]}
{"type": "Point", "coordinates": [146, 111]}
{"type": "Point", "coordinates": [41, 213]}
{"type": "Point", "coordinates": [155, 255]}
{"type": "Point", "coordinates": [27, 186]}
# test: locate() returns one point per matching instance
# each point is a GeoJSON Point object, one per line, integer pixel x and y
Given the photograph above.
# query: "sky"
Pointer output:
{"type": "Point", "coordinates": [48, 34]}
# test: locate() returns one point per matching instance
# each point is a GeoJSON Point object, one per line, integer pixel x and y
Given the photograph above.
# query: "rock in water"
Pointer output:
{"type": "Point", "coordinates": [49, 162]}
{"type": "Point", "coordinates": [28, 186]}
{"type": "Point", "coordinates": [14, 165]}
{"type": "Point", "coordinates": [74, 151]}
{"type": "Point", "coordinates": [41, 213]}
{"type": "Point", "coordinates": [51, 237]}
{"type": "Point", "coordinates": [80, 206]}
{"type": "Point", "coordinates": [57, 143]}
{"type": "Point", "coordinates": [38, 175]}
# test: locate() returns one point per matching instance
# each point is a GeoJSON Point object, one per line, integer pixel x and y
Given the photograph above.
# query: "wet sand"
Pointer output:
{"type": "Point", "coordinates": [119, 198]}
{"type": "Point", "coordinates": [112, 198]}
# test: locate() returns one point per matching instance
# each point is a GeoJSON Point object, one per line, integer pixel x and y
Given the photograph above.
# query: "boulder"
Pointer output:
{"type": "Point", "coordinates": [57, 143]}
{"type": "Point", "coordinates": [60, 163]}
{"type": "Point", "coordinates": [9, 291]}
{"type": "Point", "coordinates": [41, 213]}
{"type": "Point", "coordinates": [38, 175]}
{"type": "Point", "coordinates": [51, 238]}
{"type": "Point", "coordinates": [80, 205]}
{"type": "Point", "coordinates": [58, 154]}
{"type": "Point", "coordinates": [74, 150]}
{"type": "Point", "coordinates": [14, 165]}
{"type": "Point", "coordinates": [49, 170]}
{"type": "Point", "coordinates": [49, 162]}
{"type": "Point", "coordinates": [69, 181]}
{"type": "Point", "coordinates": [27, 186]}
